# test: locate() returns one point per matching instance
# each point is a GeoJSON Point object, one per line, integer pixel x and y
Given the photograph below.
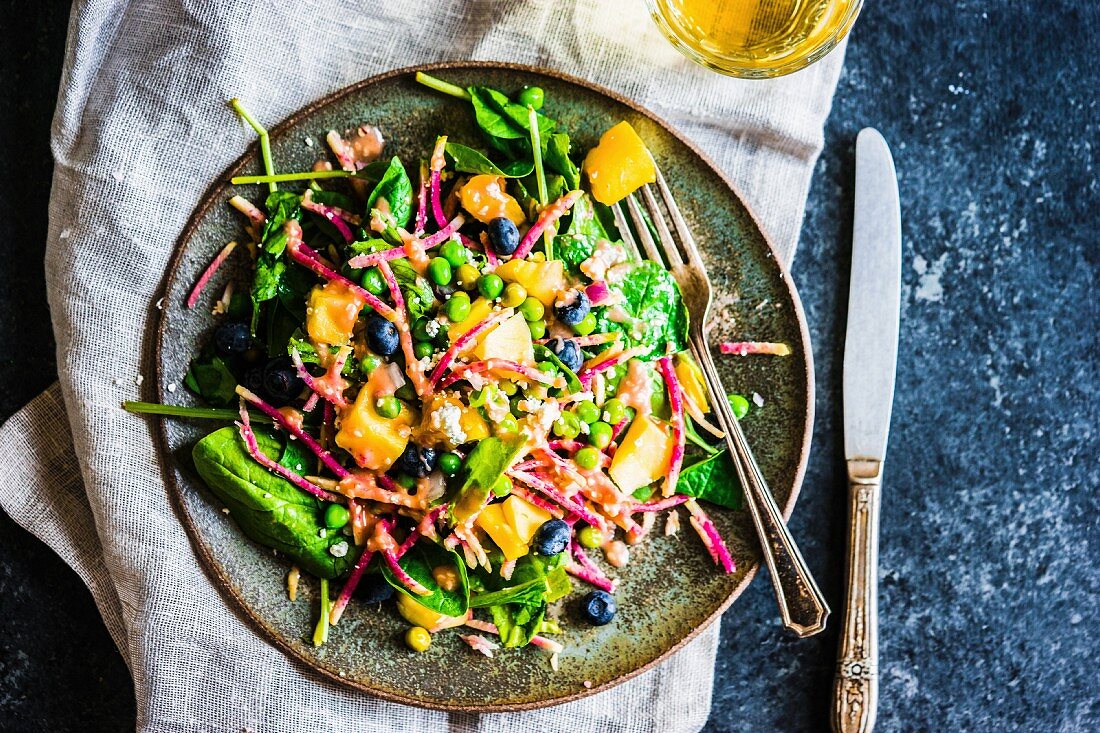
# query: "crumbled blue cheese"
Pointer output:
{"type": "Point", "coordinates": [447, 419]}
{"type": "Point", "coordinates": [340, 549]}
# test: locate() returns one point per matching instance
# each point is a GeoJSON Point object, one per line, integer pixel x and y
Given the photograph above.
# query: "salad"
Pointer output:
{"type": "Point", "coordinates": [457, 388]}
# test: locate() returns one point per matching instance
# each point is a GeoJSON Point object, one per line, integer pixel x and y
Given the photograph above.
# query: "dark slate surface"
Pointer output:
{"type": "Point", "coordinates": [987, 588]}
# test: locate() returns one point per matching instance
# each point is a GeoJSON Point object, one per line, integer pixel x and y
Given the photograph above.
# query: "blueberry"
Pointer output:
{"type": "Point", "coordinates": [575, 310]}
{"type": "Point", "coordinates": [254, 379]}
{"type": "Point", "coordinates": [598, 607]}
{"type": "Point", "coordinates": [417, 461]}
{"type": "Point", "coordinates": [503, 235]}
{"type": "Point", "coordinates": [552, 537]}
{"type": "Point", "coordinates": [568, 352]}
{"type": "Point", "coordinates": [382, 336]}
{"type": "Point", "coordinates": [373, 588]}
{"type": "Point", "coordinates": [232, 338]}
{"type": "Point", "coordinates": [281, 382]}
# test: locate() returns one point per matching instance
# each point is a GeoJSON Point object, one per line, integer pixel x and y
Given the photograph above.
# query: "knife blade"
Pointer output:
{"type": "Point", "coordinates": [874, 298]}
{"type": "Point", "coordinates": [870, 362]}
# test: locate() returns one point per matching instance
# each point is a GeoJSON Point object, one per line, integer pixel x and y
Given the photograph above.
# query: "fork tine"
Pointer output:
{"type": "Point", "coordinates": [678, 220]}
{"type": "Point", "coordinates": [624, 231]}
{"type": "Point", "coordinates": [643, 231]}
{"type": "Point", "coordinates": [672, 250]}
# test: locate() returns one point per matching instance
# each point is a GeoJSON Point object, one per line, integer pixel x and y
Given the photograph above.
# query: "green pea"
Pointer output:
{"type": "Point", "coordinates": [587, 412]}
{"type": "Point", "coordinates": [490, 286]}
{"type": "Point", "coordinates": [420, 330]}
{"type": "Point", "coordinates": [532, 309]}
{"type": "Point", "coordinates": [423, 348]}
{"type": "Point", "coordinates": [586, 326]}
{"type": "Point", "coordinates": [336, 516]}
{"type": "Point", "coordinates": [455, 253]}
{"type": "Point", "coordinates": [587, 458]}
{"type": "Point", "coordinates": [599, 434]}
{"type": "Point", "coordinates": [537, 328]}
{"type": "Point", "coordinates": [373, 281]}
{"type": "Point", "coordinates": [568, 426]}
{"type": "Point", "coordinates": [514, 295]}
{"type": "Point", "coordinates": [450, 464]}
{"type": "Point", "coordinates": [739, 405]}
{"type": "Point", "coordinates": [369, 363]}
{"type": "Point", "coordinates": [508, 425]}
{"type": "Point", "coordinates": [590, 537]}
{"type": "Point", "coordinates": [614, 411]}
{"type": "Point", "coordinates": [468, 276]}
{"type": "Point", "coordinates": [406, 481]}
{"type": "Point", "coordinates": [548, 367]}
{"type": "Point", "coordinates": [502, 487]}
{"type": "Point", "coordinates": [405, 392]}
{"type": "Point", "coordinates": [457, 307]}
{"type": "Point", "coordinates": [439, 270]}
{"type": "Point", "coordinates": [532, 97]}
{"type": "Point", "coordinates": [388, 407]}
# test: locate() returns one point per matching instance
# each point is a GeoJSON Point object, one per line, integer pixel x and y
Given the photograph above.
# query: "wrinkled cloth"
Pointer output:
{"type": "Point", "coordinates": [141, 129]}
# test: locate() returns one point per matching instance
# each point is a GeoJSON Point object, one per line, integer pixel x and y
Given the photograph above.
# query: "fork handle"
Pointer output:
{"type": "Point", "coordinates": [855, 689]}
{"type": "Point", "coordinates": [801, 604]}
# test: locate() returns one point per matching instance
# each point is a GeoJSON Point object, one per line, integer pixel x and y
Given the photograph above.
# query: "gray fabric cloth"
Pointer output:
{"type": "Point", "coordinates": [141, 129]}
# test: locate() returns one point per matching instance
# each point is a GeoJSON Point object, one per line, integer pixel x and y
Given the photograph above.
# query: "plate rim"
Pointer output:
{"type": "Point", "coordinates": [169, 466]}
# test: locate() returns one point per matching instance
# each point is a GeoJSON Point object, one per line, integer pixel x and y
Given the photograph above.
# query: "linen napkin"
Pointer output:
{"type": "Point", "coordinates": [140, 130]}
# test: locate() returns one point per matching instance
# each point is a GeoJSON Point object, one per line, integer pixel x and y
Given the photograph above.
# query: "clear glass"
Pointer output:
{"type": "Point", "coordinates": [754, 39]}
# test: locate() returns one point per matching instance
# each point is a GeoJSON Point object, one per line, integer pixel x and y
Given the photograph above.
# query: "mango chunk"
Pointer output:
{"type": "Point", "coordinates": [331, 312]}
{"type": "Point", "coordinates": [373, 441]}
{"type": "Point", "coordinates": [510, 339]}
{"type": "Point", "coordinates": [485, 198]}
{"type": "Point", "coordinates": [492, 520]}
{"type": "Point", "coordinates": [479, 311]}
{"type": "Point", "coordinates": [691, 380]}
{"type": "Point", "coordinates": [619, 165]}
{"type": "Point", "coordinates": [541, 280]}
{"type": "Point", "coordinates": [438, 424]}
{"type": "Point", "coordinates": [643, 456]}
{"type": "Point", "coordinates": [525, 517]}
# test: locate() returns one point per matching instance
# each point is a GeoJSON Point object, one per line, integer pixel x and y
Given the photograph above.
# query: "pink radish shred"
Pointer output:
{"type": "Point", "coordinates": [437, 164]}
{"type": "Point", "coordinates": [462, 342]}
{"type": "Point", "coordinates": [504, 365]}
{"type": "Point", "coordinates": [412, 364]}
{"type": "Point", "coordinates": [249, 437]}
{"type": "Point", "coordinates": [587, 571]}
{"type": "Point", "coordinates": [744, 348]}
{"type": "Point", "coordinates": [353, 581]}
{"type": "Point", "coordinates": [306, 257]}
{"type": "Point", "coordinates": [676, 402]}
{"type": "Point", "coordinates": [422, 203]}
{"type": "Point", "coordinates": [249, 209]}
{"type": "Point", "coordinates": [549, 215]}
{"type": "Point", "coordinates": [329, 213]}
{"type": "Point", "coordinates": [208, 273]}
{"type": "Point", "coordinates": [307, 439]}
{"type": "Point", "coordinates": [660, 505]}
{"type": "Point", "coordinates": [404, 578]}
{"type": "Point", "coordinates": [709, 534]}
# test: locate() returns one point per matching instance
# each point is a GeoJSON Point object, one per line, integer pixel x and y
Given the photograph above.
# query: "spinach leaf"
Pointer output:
{"type": "Point", "coordinates": [653, 301]}
{"type": "Point", "coordinates": [210, 378]}
{"type": "Point", "coordinates": [268, 508]}
{"type": "Point", "coordinates": [572, 383]}
{"type": "Point", "coordinates": [368, 246]}
{"type": "Point", "coordinates": [586, 223]}
{"type": "Point", "coordinates": [281, 326]}
{"type": "Point", "coordinates": [712, 479]}
{"type": "Point", "coordinates": [536, 578]}
{"type": "Point", "coordinates": [281, 206]}
{"type": "Point", "coordinates": [265, 283]}
{"type": "Point", "coordinates": [486, 463]}
{"type": "Point", "coordinates": [419, 562]}
{"type": "Point", "coordinates": [505, 124]}
{"type": "Point", "coordinates": [418, 293]}
{"type": "Point", "coordinates": [395, 189]}
{"type": "Point", "coordinates": [698, 440]}
{"type": "Point", "coordinates": [334, 198]}
{"type": "Point", "coordinates": [518, 622]}
{"type": "Point", "coordinates": [468, 160]}
{"type": "Point", "coordinates": [573, 250]}
{"type": "Point", "coordinates": [292, 287]}
{"type": "Point", "coordinates": [557, 158]}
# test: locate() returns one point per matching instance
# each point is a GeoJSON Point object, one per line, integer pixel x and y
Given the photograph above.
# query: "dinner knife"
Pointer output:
{"type": "Point", "coordinates": [870, 361]}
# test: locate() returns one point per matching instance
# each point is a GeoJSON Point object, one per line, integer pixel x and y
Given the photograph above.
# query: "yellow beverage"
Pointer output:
{"type": "Point", "coordinates": [755, 38]}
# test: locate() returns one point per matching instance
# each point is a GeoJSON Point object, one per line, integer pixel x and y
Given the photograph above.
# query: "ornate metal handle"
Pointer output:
{"type": "Point", "coordinates": [855, 691]}
{"type": "Point", "coordinates": [801, 604]}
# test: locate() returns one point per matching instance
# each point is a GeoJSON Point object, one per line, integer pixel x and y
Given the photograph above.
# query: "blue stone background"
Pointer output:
{"type": "Point", "coordinates": [989, 517]}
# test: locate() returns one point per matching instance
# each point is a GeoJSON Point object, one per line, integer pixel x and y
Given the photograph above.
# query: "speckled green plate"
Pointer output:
{"type": "Point", "coordinates": [671, 590]}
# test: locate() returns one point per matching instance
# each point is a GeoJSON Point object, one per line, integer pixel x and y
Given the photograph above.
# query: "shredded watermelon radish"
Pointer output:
{"type": "Point", "coordinates": [540, 641]}
{"type": "Point", "coordinates": [403, 577]}
{"type": "Point", "coordinates": [744, 348]}
{"type": "Point", "coordinates": [502, 365]}
{"type": "Point", "coordinates": [588, 371]}
{"type": "Point", "coordinates": [329, 214]}
{"type": "Point", "coordinates": [282, 421]}
{"type": "Point", "coordinates": [547, 217]}
{"type": "Point", "coordinates": [507, 568]}
{"type": "Point", "coordinates": [437, 163]}
{"type": "Point", "coordinates": [421, 222]}
{"type": "Point", "coordinates": [463, 341]}
{"type": "Point", "coordinates": [303, 255]}
{"type": "Point", "coordinates": [523, 493]}
{"type": "Point", "coordinates": [598, 293]}
{"type": "Point", "coordinates": [619, 428]}
{"type": "Point", "coordinates": [311, 402]}
{"type": "Point", "coordinates": [659, 505]}
{"type": "Point", "coordinates": [342, 150]}
{"type": "Point", "coordinates": [480, 644]}
{"type": "Point", "coordinates": [412, 365]}
{"type": "Point", "coordinates": [561, 465]}
{"type": "Point", "coordinates": [208, 273]}
{"type": "Point", "coordinates": [353, 580]}
{"type": "Point", "coordinates": [547, 489]}
{"type": "Point", "coordinates": [700, 420]}
{"type": "Point", "coordinates": [449, 230]}
{"type": "Point", "coordinates": [490, 253]}
{"type": "Point", "coordinates": [676, 402]}
{"type": "Point", "coordinates": [249, 437]}
{"type": "Point", "coordinates": [587, 570]}
{"type": "Point", "coordinates": [709, 534]}
{"type": "Point", "coordinates": [424, 526]}
{"type": "Point", "coordinates": [249, 209]}
{"type": "Point", "coordinates": [331, 386]}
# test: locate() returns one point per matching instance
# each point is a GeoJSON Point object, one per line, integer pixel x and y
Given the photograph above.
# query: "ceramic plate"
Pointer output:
{"type": "Point", "coordinates": [671, 590]}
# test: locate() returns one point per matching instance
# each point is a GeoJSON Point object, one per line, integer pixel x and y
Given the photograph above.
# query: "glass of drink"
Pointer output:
{"type": "Point", "coordinates": [754, 39]}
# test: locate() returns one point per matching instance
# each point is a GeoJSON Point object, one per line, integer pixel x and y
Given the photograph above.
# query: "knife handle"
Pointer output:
{"type": "Point", "coordinates": [855, 691]}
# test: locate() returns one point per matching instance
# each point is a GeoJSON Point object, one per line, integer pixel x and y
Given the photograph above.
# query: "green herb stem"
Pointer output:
{"type": "Point", "coordinates": [320, 634]}
{"type": "Point", "coordinates": [540, 174]}
{"type": "Point", "coordinates": [441, 86]}
{"type": "Point", "coordinates": [284, 177]}
{"type": "Point", "coordinates": [265, 141]}
{"type": "Point", "coordinates": [203, 413]}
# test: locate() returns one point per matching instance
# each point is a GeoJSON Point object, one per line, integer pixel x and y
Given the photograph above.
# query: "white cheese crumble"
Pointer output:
{"type": "Point", "coordinates": [171, 388]}
{"type": "Point", "coordinates": [340, 549]}
{"type": "Point", "coordinates": [447, 419]}
{"type": "Point", "coordinates": [432, 328]}
{"type": "Point", "coordinates": [139, 380]}
{"type": "Point", "coordinates": [757, 399]}
{"type": "Point", "coordinates": [322, 533]}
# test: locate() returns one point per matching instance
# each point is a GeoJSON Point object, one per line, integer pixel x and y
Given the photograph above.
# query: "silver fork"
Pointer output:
{"type": "Point", "coordinates": [801, 604]}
